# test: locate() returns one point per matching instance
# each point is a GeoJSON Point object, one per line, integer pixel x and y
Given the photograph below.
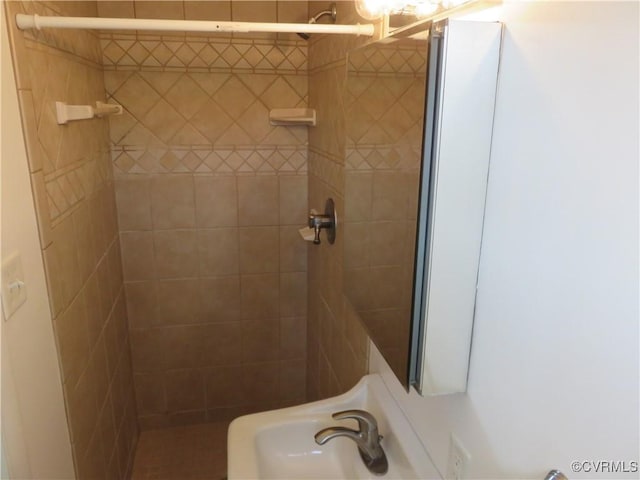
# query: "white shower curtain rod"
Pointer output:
{"type": "Point", "coordinates": [38, 22]}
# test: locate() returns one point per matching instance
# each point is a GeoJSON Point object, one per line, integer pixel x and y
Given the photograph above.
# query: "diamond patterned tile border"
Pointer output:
{"type": "Point", "coordinates": [390, 60]}
{"type": "Point", "coordinates": [201, 104]}
{"type": "Point", "coordinates": [245, 160]}
{"type": "Point", "coordinates": [186, 53]}
{"type": "Point", "coordinates": [384, 123]}
{"type": "Point", "coordinates": [68, 186]}
{"type": "Point", "coordinates": [204, 112]}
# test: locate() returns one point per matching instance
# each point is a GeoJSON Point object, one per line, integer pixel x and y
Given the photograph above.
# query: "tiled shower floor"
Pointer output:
{"type": "Point", "coordinates": [180, 453]}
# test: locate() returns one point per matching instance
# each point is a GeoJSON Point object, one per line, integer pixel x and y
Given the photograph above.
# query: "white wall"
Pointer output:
{"type": "Point", "coordinates": [554, 373]}
{"type": "Point", "coordinates": [35, 438]}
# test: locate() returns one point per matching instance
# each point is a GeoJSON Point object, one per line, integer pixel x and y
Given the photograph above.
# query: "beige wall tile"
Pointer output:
{"type": "Point", "coordinates": [293, 200]}
{"type": "Point", "coordinates": [186, 96]}
{"type": "Point", "coordinates": [172, 10]}
{"type": "Point", "coordinates": [173, 201]}
{"type": "Point", "coordinates": [112, 346]}
{"type": "Point", "coordinates": [254, 11]}
{"type": "Point", "coordinates": [42, 209]}
{"type": "Point", "coordinates": [30, 129]}
{"type": "Point", "coordinates": [136, 95]}
{"type": "Point", "coordinates": [104, 219]}
{"type": "Point", "coordinates": [357, 248]}
{"type": "Point", "coordinates": [85, 248]}
{"type": "Point", "coordinates": [260, 382]}
{"type": "Point", "coordinates": [218, 252]}
{"type": "Point", "coordinates": [390, 197]}
{"type": "Point", "coordinates": [210, 10]}
{"type": "Point", "coordinates": [64, 244]}
{"type": "Point", "coordinates": [259, 295]}
{"type": "Point", "coordinates": [386, 286]}
{"type": "Point", "coordinates": [159, 349]}
{"type": "Point", "coordinates": [121, 323]}
{"type": "Point", "coordinates": [293, 294]}
{"type": "Point", "coordinates": [219, 344]}
{"type": "Point", "coordinates": [133, 197]}
{"type": "Point", "coordinates": [258, 200]}
{"type": "Point", "coordinates": [99, 371]}
{"type": "Point", "coordinates": [233, 96]}
{"type": "Point", "coordinates": [219, 299]}
{"type": "Point", "coordinates": [73, 340]}
{"type": "Point", "coordinates": [108, 431]}
{"type": "Point", "coordinates": [293, 11]}
{"type": "Point", "coordinates": [216, 201]}
{"type": "Point", "coordinates": [176, 253]}
{"type": "Point", "coordinates": [149, 349]}
{"type": "Point", "coordinates": [114, 259]}
{"type": "Point", "coordinates": [115, 9]}
{"type": "Point", "coordinates": [260, 340]}
{"type": "Point", "coordinates": [73, 8]}
{"type": "Point", "coordinates": [292, 381]}
{"type": "Point", "coordinates": [293, 337]}
{"type": "Point", "coordinates": [138, 258]}
{"type": "Point", "coordinates": [178, 301]}
{"type": "Point", "coordinates": [359, 191]}
{"type": "Point", "coordinates": [212, 121]}
{"type": "Point", "coordinates": [142, 304]}
{"type": "Point", "coordinates": [313, 365]}
{"type": "Point", "coordinates": [150, 393]}
{"type": "Point", "coordinates": [163, 120]}
{"type": "Point", "coordinates": [332, 289]}
{"type": "Point", "coordinates": [252, 121]}
{"type": "Point", "coordinates": [95, 317]}
{"type": "Point", "coordinates": [259, 249]}
{"type": "Point", "coordinates": [293, 250]}
{"type": "Point", "coordinates": [222, 386]}
{"type": "Point", "coordinates": [356, 334]}
{"type": "Point", "coordinates": [104, 289]}
{"type": "Point", "coordinates": [83, 413]}
{"type": "Point", "coordinates": [388, 243]}
{"type": "Point", "coordinates": [184, 390]}
{"type": "Point", "coordinates": [92, 465]}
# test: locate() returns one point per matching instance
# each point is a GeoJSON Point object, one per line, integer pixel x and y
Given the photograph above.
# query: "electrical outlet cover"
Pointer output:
{"type": "Point", "coordinates": [459, 459]}
{"type": "Point", "coordinates": [14, 290]}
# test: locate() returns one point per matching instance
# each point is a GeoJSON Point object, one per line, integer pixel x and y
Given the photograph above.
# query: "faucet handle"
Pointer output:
{"type": "Point", "coordinates": [366, 422]}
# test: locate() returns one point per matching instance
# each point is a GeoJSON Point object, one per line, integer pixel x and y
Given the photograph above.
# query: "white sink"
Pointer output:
{"type": "Point", "coordinates": [280, 444]}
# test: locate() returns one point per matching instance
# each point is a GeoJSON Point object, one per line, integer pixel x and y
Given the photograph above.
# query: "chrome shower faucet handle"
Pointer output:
{"type": "Point", "coordinates": [326, 220]}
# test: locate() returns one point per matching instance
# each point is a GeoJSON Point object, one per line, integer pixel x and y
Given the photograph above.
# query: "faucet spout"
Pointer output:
{"type": "Point", "coordinates": [326, 434]}
{"type": "Point", "coordinates": [367, 439]}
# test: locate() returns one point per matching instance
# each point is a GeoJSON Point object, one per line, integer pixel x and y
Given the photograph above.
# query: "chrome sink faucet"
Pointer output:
{"type": "Point", "coordinates": [367, 438]}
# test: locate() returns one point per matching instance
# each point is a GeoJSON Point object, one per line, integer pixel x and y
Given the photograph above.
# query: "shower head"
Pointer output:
{"type": "Point", "coordinates": [332, 12]}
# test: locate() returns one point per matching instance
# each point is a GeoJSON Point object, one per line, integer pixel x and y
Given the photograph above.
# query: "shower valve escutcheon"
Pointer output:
{"type": "Point", "coordinates": [324, 221]}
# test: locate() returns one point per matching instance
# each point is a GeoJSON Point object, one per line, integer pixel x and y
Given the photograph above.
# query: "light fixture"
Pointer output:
{"type": "Point", "coordinates": [374, 9]}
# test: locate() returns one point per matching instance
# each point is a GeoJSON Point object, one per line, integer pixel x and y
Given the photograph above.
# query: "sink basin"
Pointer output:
{"type": "Point", "coordinates": [280, 444]}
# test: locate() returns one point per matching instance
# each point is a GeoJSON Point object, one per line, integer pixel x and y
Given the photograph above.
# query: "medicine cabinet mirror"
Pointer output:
{"type": "Point", "coordinates": [416, 167]}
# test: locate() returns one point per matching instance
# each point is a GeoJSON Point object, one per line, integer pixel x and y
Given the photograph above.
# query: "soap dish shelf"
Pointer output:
{"type": "Point", "coordinates": [292, 116]}
{"type": "Point", "coordinates": [68, 113]}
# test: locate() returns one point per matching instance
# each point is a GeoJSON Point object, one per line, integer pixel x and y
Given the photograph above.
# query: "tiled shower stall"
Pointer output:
{"type": "Point", "coordinates": [178, 282]}
{"type": "Point", "coordinates": [209, 198]}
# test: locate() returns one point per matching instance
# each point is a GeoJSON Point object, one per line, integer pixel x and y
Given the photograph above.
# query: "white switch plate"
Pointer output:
{"type": "Point", "coordinates": [459, 460]}
{"type": "Point", "coordinates": [14, 289]}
